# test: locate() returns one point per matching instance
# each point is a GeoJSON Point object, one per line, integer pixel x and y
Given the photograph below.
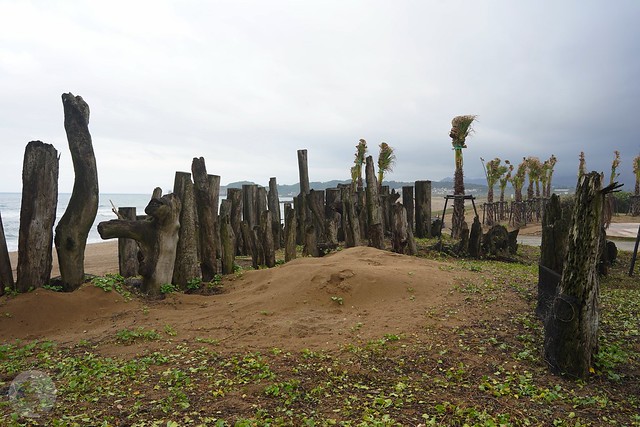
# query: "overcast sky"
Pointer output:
{"type": "Point", "coordinates": [247, 83]}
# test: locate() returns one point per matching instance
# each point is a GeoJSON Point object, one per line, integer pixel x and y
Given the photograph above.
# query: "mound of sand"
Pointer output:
{"type": "Point", "coordinates": [357, 294]}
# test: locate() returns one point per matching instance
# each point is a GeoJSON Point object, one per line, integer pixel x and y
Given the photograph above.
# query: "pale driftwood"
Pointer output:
{"type": "Point", "coordinates": [374, 211]}
{"type": "Point", "coordinates": [73, 228]}
{"type": "Point", "coordinates": [6, 273]}
{"type": "Point", "coordinates": [158, 239]}
{"type": "Point", "coordinates": [207, 208]}
{"type": "Point", "coordinates": [423, 209]}
{"type": "Point", "coordinates": [128, 264]}
{"type": "Point", "coordinates": [571, 328]}
{"type": "Point", "coordinates": [187, 265]}
{"type": "Point", "coordinates": [290, 226]}
{"type": "Point", "coordinates": [37, 215]}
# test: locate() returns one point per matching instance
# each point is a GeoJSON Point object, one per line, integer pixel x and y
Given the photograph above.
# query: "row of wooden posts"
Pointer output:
{"type": "Point", "coordinates": [249, 223]}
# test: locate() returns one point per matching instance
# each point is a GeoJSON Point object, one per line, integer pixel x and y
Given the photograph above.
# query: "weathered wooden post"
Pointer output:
{"type": "Point", "coordinates": [407, 201]}
{"type": "Point", "coordinates": [290, 227]}
{"type": "Point", "coordinates": [361, 210]}
{"type": "Point", "coordinates": [249, 205]}
{"type": "Point", "coordinates": [273, 202]}
{"type": "Point", "coordinates": [235, 196]}
{"type": "Point", "coordinates": [249, 239]}
{"type": "Point", "coordinates": [401, 235]}
{"type": "Point", "coordinates": [303, 170]}
{"type": "Point", "coordinates": [571, 328]}
{"type": "Point", "coordinates": [73, 228]}
{"type": "Point", "coordinates": [158, 238]}
{"type": "Point", "coordinates": [187, 265]}
{"type": "Point", "coordinates": [206, 196]}
{"type": "Point", "coordinates": [553, 250]}
{"type": "Point", "coordinates": [268, 243]}
{"type": "Point", "coordinates": [350, 221]}
{"type": "Point", "coordinates": [128, 264]}
{"type": "Point", "coordinates": [315, 202]}
{"type": "Point", "coordinates": [475, 238]}
{"type": "Point", "coordinates": [261, 202]}
{"type": "Point", "coordinates": [423, 209]}
{"type": "Point", "coordinates": [333, 206]}
{"type": "Point", "coordinates": [374, 211]}
{"type": "Point", "coordinates": [300, 202]}
{"type": "Point", "coordinates": [6, 273]}
{"type": "Point", "coordinates": [37, 215]}
{"type": "Point", "coordinates": [227, 242]}
{"type": "Point", "coordinates": [385, 207]}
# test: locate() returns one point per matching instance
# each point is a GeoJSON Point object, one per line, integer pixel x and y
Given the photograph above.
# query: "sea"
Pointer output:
{"type": "Point", "coordinates": [10, 212]}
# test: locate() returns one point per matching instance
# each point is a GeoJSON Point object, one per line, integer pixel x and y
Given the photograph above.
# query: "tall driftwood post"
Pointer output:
{"type": "Point", "coordinates": [571, 328]}
{"type": "Point", "coordinates": [298, 206]}
{"type": "Point", "coordinates": [350, 221]}
{"type": "Point", "coordinates": [250, 243]}
{"type": "Point", "coordinates": [37, 215]}
{"type": "Point", "coordinates": [333, 206]}
{"type": "Point", "coordinates": [273, 202]}
{"type": "Point", "coordinates": [73, 228]}
{"type": "Point", "coordinates": [262, 204]}
{"type": "Point", "coordinates": [290, 227]}
{"type": "Point", "coordinates": [235, 196]}
{"type": "Point", "coordinates": [385, 207]}
{"type": "Point", "coordinates": [6, 273]}
{"type": "Point", "coordinates": [268, 243]}
{"type": "Point", "coordinates": [207, 208]}
{"type": "Point", "coordinates": [315, 201]}
{"type": "Point", "coordinates": [187, 265]}
{"type": "Point", "coordinates": [401, 235]}
{"type": "Point", "coordinates": [361, 210]}
{"type": "Point", "coordinates": [423, 209]}
{"type": "Point", "coordinates": [228, 245]}
{"type": "Point", "coordinates": [249, 205]}
{"type": "Point", "coordinates": [158, 239]}
{"type": "Point", "coordinates": [407, 201]}
{"type": "Point", "coordinates": [303, 169]}
{"type": "Point", "coordinates": [302, 206]}
{"type": "Point", "coordinates": [374, 211]}
{"type": "Point", "coordinates": [128, 264]}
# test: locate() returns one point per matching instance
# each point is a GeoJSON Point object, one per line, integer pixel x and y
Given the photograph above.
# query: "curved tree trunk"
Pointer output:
{"type": "Point", "coordinates": [37, 215]}
{"type": "Point", "coordinates": [158, 238]}
{"type": "Point", "coordinates": [73, 228]}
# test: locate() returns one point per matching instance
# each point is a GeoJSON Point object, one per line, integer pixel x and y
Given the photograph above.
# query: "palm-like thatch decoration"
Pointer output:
{"type": "Point", "coordinates": [386, 160]}
{"type": "Point", "coordinates": [534, 166]}
{"type": "Point", "coordinates": [356, 170]}
{"type": "Point", "coordinates": [460, 130]}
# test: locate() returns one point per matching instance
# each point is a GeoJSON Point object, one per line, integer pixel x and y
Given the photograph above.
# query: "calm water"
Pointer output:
{"type": "Point", "coordinates": [10, 211]}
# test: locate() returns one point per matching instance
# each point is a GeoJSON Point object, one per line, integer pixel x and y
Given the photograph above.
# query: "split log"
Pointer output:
{"type": "Point", "coordinates": [6, 273]}
{"type": "Point", "coordinates": [423, 209]}
{"type": "Point", "coordinates": [571, 328]}
{"type": "Point", "coordinates": [235, 196]}
{"type": "Point", "coordinates": [228, 245]}
{"type": "Point", "coordinates": [158, 239]}
{"type": "Point", "coordinates": [207, 207]}
{"type": "Point", "coordinates": [128, 264]}
{"type": "Point", "coordinates": [290, 227]}
{"type": "Point", "coordinates": [407, 202]}
{"type": "Point", "coordinates": [73, 228]}
{"type": "Point", "coordinates": [374, 211]}
{"type": "Point", "coordinates": [267, 240]}
{"type": "Point", "coordinates": [187, 265]}
{"type": "Point", "coordinates": [350, 221]}
{"type": "Point", "coordinates": [37, 215]}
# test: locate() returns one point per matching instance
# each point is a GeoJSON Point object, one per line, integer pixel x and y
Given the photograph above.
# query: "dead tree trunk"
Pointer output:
{"type": "Point", "coordinates": [332, 205]}
{"type": "Point", "coordinates": [249, 239]}
{"type": "Point", "coordinates": [268, 243]}
{"type": "Point", "coordinates": [290, 227]}
{"type": "Point", "coordinates": [128, 264]}
{"type": "Point", "coordinates": [73, 228]}
{"type": "Point", "coordinates": [273, 202]}
{"type": "Point", "coordinates": [303, 169]}
{"type": "Point", "coordinates": [315, 201]}
{"type": "Point", "coordinates": [571, 329]}
{"type": "Point", "coordinates": [249, 205]}
{"type": "Point", "coordinates": [374, 211]}
{"type": "Point", "coordinates": [228, 245]}
{"type": "Point", "coordinates": [187, 265]}
{"type": "Point", "coordinates": [423, 209]}
{"type": "Point", "coordinates": [407, 201]}
{"type": "Point", "coordinates": [158, 239]}
{"type": "Point", "coordinates": [401, 234]}
{"type": "Point", "coordinates": [37, 215]}
{"type": "Point", "coordinates": [235, 196]}
{"type": "Point", "coordinates": [207, 208]}
{"type": "Point", "coordinates": [6, 273]}
{"type": "Point", "coordinates": [385, 207]}
{"type": "Point", "coordinates": [350, 221]}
